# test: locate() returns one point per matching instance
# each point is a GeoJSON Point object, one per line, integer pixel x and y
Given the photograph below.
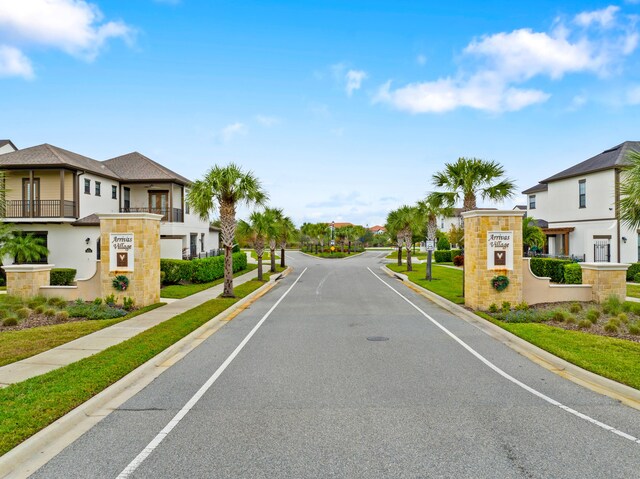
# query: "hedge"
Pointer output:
{"type": "Point", "coordinates": [200, 270]}
{"type": "Point", "coordinates": [572, 273]}
{"type": "Point", "coordinates": [62, 276]}
{"type": "Point", "coordinates": [632, 271]}
{"type": "Point", "coordinates": [549, 268]}
{"type": "Point", "coordinates": [446, 255]}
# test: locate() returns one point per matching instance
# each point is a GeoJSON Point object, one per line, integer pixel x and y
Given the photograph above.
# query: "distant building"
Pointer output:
{"type": "Point", "coordinates": [378, 230]}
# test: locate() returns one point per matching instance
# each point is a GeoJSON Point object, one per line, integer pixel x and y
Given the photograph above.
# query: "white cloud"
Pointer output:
{"type": "Point", "coordinates": [14, 63]}
{"type": "Point", "coordinates": [354, 80]}
{"type": "Point", "coordinates": [501, 62]}
{"type": "Point", "coordinates": [605, 17]}
{"type": "Point", "coordinates": [267, 120]}
{"type": "Point", "coordinates": [231, 131]}
{"type": "Point", "coordinates": [75, 27]}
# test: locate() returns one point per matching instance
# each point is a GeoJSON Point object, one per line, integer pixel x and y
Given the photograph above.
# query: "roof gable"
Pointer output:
{"type": "Point", "coordinates": [8, 142]}
{"type": "Point", "coordinates": [135, 166]}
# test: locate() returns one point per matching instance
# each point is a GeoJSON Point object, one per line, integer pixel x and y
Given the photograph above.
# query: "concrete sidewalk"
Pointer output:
{"type": "Point", "coordinates": [100, 340]}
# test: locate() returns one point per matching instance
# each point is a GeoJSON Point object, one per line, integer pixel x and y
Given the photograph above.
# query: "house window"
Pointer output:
{"type": "Point", "coordinates": [532, 202]}
{"type": "Point", "coordinates": [87, 186]}
{"type": "Point", "coordinates": [98, 184]}
{"type": "Point", "coordinates": [127, 200]}
{"type": "Point", "coordinates": [582, 193]}
{"type": "Point", "coordinates": [186, 208]}
{"type": "Point", "coordinates": [114, 192]}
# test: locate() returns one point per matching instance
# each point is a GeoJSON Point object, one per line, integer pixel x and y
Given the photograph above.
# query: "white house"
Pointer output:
{"type": "Point", "coordinates": [577, 209]}
{"type": "Point", "coordinates": [56, 194]}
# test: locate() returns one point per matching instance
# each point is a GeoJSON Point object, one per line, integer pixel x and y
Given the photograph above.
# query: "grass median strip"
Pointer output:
{"type": "Point", "coordinates": [613, 358]}
{"type": "Point", "coordinates": [633, 290]}
{"type": "Point", "coordinates": [446, 282]}
{"type": "Point", "coordinates": [179, 291]}
{"type": "Point", "coordinates": [17, 345]}
{"type": "Point", "coordinates": [29, 406]}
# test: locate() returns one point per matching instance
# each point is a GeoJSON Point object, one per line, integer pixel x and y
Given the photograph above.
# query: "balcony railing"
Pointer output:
{"type": "Point", "coordinates": [172, 215]}
{"type": "Point", "coordinates": [40, 209]}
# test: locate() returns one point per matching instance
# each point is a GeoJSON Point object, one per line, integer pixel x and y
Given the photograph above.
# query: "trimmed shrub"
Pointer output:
{"type": "Point", "coordinates": [572, 273]}
{"type": "Point", "coordinates": [623, 318]}
{"type": "Point", "coordinates": [443, 243]}
{"type": "Point", "coordinates": [50, 312]}
{"type": "Point", "coordinates": [493, 308]}
{"type": "Point", "coordinates": [62, 316]}
{"type": "Point", "coordinates": [127, 303]}
{"type": "Point", "coordinates": [611, 327]}
{"type": "Point", "coordinates": [446, 256]}
{"type": "Point", "coordinates": [636, 278]}
{"type": "Point", "coordinates": [570, 319]}
{"type": "Point", "coordinates": [11, 321]}
{"type": "Point", "coordinates": [523, 306]}
{"type": "Point", "coordinates": [458, 260]}
{"type": "Point", "coordinates": [62, 276]}
{"type": "Point", "coordinates": [634, 328]}
{"type": "Point", "coordinates": [200, 270]}
{"type": "Point", "coordinates": [612, 305]}
{"type": "Point", "coordinates": [176, 270]}
{"type": "Point", "coordinates": [550, 268]}
{"type": "Point", "coordinates": [593, 315]}
{"type": "Point", "coordinates": [23, 313]}
{"type": "Point", "coordinates": [633, 270]}
{"type": "Point", "coordinates": [506, 306]}
{"type": "Point", "coordinates": [558, 315]}
{"type": "Point", "coordinates": [39, 309]}
{"type": "Point", "coordinates": [575, 308]}
{"type": "Point", "coordinates": [584, 324]}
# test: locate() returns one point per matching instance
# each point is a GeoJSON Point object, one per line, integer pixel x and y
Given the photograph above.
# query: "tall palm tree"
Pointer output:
{"type": "Point", "coordinates": [224, 188]}
{"type": "Point", "coordinates": [341, 236]}
{"type": "Point", "coordinates": [274, 215]}
{"type": "Point", "coordinates": [532, 234]}
{"type": "Point", "coordinates": [630, 191]}
{"type": "Point", "coordinates": [256, 230]}
{"type": "Point", "coordinates": [286, 232]}
{"type": "Point", "coordinates": [394, 233]}
{"type": "Point", "coordinates": [469, 177]}
{"type": "Point", "coordinates": [406, 221]}
{"type": "Point", "coordinates": [428, 211]}
{"type": "Point", "coordinates": [25, 248]}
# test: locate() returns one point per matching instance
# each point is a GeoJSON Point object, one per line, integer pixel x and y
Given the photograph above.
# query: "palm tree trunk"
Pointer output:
{"type": "Point", "coordinates": [407, 243]}
{"type": "Point", "coordinates": [282, 263]}
{"type": "Point", "coordinates": [469, 202]}
{"type": "Point", "coordinates": [399, 251]}
{"type": "Point", "coordinates": [228, 230]}
{"type": "Point", "coordinates": [260, 268]}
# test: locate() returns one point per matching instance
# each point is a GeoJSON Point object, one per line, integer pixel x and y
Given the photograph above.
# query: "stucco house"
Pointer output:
{"type": "Point", "coordinates": [56, 194]}
{"type": "Point", "coordinates": [577, 209]}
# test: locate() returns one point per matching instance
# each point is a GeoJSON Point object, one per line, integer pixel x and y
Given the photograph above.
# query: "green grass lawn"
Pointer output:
{"type": "Point", "coordinates": [29, 406]}
{"type": "Point", "coordinates": [612, 358]}
{"type": "Point", "coordinates": [446, 282]}
{"type": "Point", "coordinates": [266, 256]}
{"type": "Point", "coordinates": [633, 290]}
{"type": "Point", "coordinates": [17, 345]}
{"type": "Point", "coordinates": [179, 291]}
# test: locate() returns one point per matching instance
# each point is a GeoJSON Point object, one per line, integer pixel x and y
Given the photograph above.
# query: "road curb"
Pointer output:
{"type": "Point", "coordinates": [319, 257]}
{"type": "Point", "coordinates": [615, 390]}
{"type": "Point", "coordinates": [27, 457]}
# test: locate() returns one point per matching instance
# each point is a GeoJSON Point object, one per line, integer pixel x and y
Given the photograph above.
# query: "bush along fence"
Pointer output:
{"type": "Point", "coordinates": [203, 270]}
{"type": "Point", "coordinates": [446, 255]}
{"type": "Point", "coordinates": [550, 268]}
{"type": "Point", "coordinates": [62, 276]}
{"type": "Point", "coordinates": [633, 273]}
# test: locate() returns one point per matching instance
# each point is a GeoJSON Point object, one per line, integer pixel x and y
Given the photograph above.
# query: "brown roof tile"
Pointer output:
{"type": "Point", "coordinates": [136, 167]}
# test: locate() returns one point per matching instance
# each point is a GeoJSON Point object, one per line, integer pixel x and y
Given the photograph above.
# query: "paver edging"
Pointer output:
{"type": "Point", "coordinates": [37, 450]}
{"type": "Point", "coordinates": [613, 389]}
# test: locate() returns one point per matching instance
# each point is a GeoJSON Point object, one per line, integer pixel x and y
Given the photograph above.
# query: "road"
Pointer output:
{"type": "Point", "coordinates": [309, 395]}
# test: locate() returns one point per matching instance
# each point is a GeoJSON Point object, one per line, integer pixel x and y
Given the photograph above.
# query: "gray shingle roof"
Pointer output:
{"type": "Point", "coordinates": [535, 189]}
{"type": "Point", "coordinates": [137, 167]}
{"type": "Point", "coordinates": [91, 220]}
{"type": "Point", "coordinates": [49, 155]}
{"type": "Point", "coordinates": [606, 160]}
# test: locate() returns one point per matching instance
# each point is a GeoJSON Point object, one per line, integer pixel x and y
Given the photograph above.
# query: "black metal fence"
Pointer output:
{"type": "Point", "coordinates": [173, 215]}
{"type": "Point", "coordinates": [602, 251]}
{"type": "Point", "coordinates": [40, 209]}
{"type": "Point", "coordinates": [577, 258]}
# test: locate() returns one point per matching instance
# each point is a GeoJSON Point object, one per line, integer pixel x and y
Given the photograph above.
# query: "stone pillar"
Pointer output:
{"type": "Point", "coordinates": [130, 246]}
{"type": "Point", "coordinates": [606, 279]}
{"type": "Point", "coordinates": [24, 280]}
{"type": "Point", "coordinates": [492, 247]}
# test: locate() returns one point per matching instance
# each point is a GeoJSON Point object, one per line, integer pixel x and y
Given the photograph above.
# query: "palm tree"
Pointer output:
{"type": "Point", "coordinates": [25, 248]}
{"type": "Point", "coordinates": [286, 232]}
{"type": "Point", "coordinates": [226, 187]}
{"type": "Point", "coordinates": [406, 221]}
{"type": "Point", "coordinates": [532, 234]}
{"type": "Point", "coordinates": [469, 177]}
{"type": "Point", "coordinates": [394, 233]}
{"type": "Point", "coordinates": [428, 211]}
{"type": "Point", "coordinates": [274, 215]}
{"type": "Point", "coordinates": [341, 236]}
{"type": "Point", "coordinates": [630, 191]}
{"type": "Point", "coordinates": [256, 230]}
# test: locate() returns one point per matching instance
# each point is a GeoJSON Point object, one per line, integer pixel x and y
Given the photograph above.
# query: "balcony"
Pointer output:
{"type": "Point", "coordinates": [172, 215]}
{"type": "Point", "coordinates": [40, 209]}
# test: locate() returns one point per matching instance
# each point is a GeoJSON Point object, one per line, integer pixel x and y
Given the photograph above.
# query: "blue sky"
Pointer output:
{"type": "Point", "coordinates": [343, 109]}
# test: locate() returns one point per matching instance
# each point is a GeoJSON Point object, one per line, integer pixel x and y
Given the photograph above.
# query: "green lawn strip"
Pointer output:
{"type": "Point", "coordinates": [29, 406]}
{"type": "Point", "coordinates": [613, 358]}
{"type": "Point", "coordinates": [633, 290]}
{"type": "Point", "coordinates": [266, 256]}
{"type": "Point", "coordinates": [446, 282]}
{"type": "Point", "coordinates": [17, 345]}
{"type": "Point", "coordinates": [179, 291]}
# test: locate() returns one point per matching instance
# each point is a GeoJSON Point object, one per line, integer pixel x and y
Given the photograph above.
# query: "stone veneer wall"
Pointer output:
{"type": "Point", "coordinates": [478, 291]}
{"type": "Point", "coordinates": [24, 280]}
{"type": "Point", "coordinates": [144, 280]}
{"type": "Point", "coordinates": [607, 279]}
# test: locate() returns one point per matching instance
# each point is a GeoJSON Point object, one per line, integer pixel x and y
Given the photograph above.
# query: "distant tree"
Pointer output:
{"type": "Point", "coordinates": [443, 243]}
{"type": "Point", "coordinates": [456, 235]}
{"type": "Point", "coordinates": [274, 216]}
{"type": "Point", "coordinates": [630, 191]}
{"type": "Point", "coordinates": [468, 178]}
{"type": "Point", "coordinates": [257, 230]}
{"type": "Point", "coordinates": [406, 219]}
{"type": "Point", "coordinates": [224, 188]}
{"type": "Point", "coordinates": [286, 232]}
{"type": "Point", "coordinates": [395, 234]}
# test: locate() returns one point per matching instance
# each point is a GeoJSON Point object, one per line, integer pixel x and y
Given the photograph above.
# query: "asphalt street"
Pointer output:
{"type": "Point", "coordinates": [311, 395]}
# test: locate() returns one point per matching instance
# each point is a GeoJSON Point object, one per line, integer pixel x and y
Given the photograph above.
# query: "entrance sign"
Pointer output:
{"type": "Point", "coordinates": [121, 252]}
{"type": "Point", "coordinates": [500, 250]}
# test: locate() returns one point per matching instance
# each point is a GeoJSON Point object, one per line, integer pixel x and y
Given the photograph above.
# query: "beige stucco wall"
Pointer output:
{"type": "Point", "coordinates": [86, 289]}
{"type": "Point", "coordinates": [144, 280]}
{"type": "Point", "coordinates": [538, 290]}
{"type": "Point", "coordinates": [608, 279]}
{"type": "Point", "coordinates": [478, 292]}
{"type": "Point", "coordinates": [24, 280]}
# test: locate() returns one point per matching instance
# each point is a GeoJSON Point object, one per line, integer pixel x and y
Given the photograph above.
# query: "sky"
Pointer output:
{"type": "Point", "coordinates": [343, 109]}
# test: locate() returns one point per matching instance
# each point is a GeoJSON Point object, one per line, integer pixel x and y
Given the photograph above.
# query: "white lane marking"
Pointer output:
{"type": "Point", "coordinates": [322, 283]}
{"type": "Point", "coordinates": [133, 465]}
{"type": "Point", "coordinates": [509, 377]}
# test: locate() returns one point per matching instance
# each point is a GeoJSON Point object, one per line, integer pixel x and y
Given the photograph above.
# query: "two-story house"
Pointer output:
{"type": "Point", "coordinates": [57, 194]}
{"type": "Point", "coordinates": [577, 209]}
